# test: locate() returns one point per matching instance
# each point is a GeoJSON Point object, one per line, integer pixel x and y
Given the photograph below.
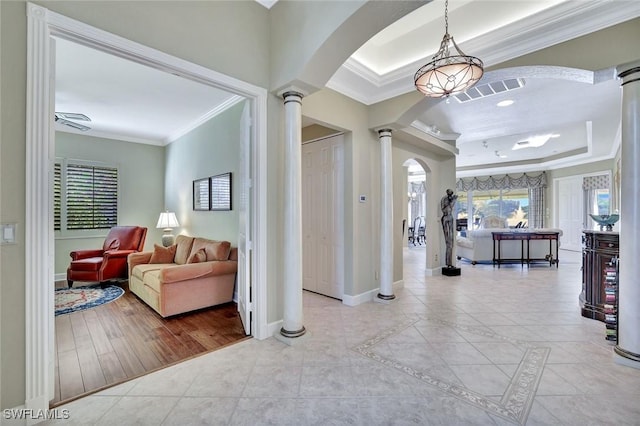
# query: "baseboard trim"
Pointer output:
{"type": "Point", "coordinates": [360, 298]}
{"type": "Point", "coordinates": [433, 272]}
{"type": "Point", "coordinates": [368, 296]}
{"type": "Point", "coordinates": [274, 327]}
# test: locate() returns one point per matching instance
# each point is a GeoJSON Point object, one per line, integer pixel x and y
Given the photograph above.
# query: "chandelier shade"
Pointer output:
{"type": "Point", "coordinates": [448, 74]}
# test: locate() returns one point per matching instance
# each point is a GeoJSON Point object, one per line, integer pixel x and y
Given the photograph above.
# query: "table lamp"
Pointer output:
{"type": "Point", "coordinates": [167, 221]}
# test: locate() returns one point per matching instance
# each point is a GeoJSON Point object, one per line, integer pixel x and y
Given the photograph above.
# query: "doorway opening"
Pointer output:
{"type": "Point", "coordinates": [323, 205]}
{"type": "Point", "coordinates": [414, 245]}
{"type": "Point", "coordinates": [43, 26]}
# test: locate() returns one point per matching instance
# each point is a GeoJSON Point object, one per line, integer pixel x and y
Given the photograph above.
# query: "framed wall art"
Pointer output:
{"type": "Point", "coordinates": [220, 193]}
{"type": "Point", "coordinates": [201, 194]}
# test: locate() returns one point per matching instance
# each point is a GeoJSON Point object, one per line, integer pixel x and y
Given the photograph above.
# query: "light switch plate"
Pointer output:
{"type": "Point", "coordinates": [8, 233]}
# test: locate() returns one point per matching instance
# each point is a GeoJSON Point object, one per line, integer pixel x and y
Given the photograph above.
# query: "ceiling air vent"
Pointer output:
{"type": "Point", "coordinates": [484, 90]}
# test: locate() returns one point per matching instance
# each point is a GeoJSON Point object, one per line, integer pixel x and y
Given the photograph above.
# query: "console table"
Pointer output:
{"type": "Point", "coordinates": [522, 237]}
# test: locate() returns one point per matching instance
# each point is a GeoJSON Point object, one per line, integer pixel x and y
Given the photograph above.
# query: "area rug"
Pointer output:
{"type": "Point", "coordinates": [68, 300]}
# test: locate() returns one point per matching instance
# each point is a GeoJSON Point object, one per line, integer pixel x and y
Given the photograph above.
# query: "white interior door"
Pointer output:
{"type": "Point", "coordinates": [309, 218]}
{"type": "Point", "coordinates": [323, 216]}
{"type": "Point", "coordinates": [570, 212]}
{"type": "Point", "coordinates": [243, 280]}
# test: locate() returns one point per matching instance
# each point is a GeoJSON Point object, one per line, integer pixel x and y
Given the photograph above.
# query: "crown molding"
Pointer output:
{"type": "Point", "coordinates": [109, 135]}
{"type": "Point", "coordinates": [555, 25]}
{"type": "Point", "coordinates": [219, 109]}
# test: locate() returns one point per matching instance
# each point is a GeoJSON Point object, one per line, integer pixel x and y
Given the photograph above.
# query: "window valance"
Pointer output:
{"type": "Point", "coordinates": [595, 182]}
{"type": "Point", "coordinates": [503, 182]}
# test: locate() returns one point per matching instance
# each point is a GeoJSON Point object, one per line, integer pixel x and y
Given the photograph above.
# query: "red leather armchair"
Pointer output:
{"type": "Point", "coordinates": [110, 262]}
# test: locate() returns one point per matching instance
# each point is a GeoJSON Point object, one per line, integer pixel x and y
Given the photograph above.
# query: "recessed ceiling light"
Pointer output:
{"type": "Point", "coordinates": [534, 141]}
{"type": "Point", "coordinates": [505, 103]}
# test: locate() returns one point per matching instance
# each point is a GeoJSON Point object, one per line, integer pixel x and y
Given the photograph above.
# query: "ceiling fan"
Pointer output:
{"type": "Point", "coordinates": [65, 117]}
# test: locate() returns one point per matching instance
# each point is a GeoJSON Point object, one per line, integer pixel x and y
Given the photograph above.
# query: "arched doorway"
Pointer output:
{"type": "Point", "coordinates": [416, 204]}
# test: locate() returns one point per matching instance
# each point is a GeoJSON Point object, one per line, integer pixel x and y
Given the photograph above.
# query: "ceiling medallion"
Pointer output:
{"type": "Point", "coordinates": [447, 74]}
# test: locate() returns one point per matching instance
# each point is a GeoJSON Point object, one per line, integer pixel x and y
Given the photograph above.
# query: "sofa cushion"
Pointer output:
{"type": "Point", "coordinates": [464, 242]}
{"type": "Point", "coordinates": [139, 270]}
{"type": "Point", "coordinates": [87, 264]}
{"type": "Point", "coordinates": [198, 256]}
{"type": "Point", "coordinates": [152, 280]}
{"type": "Point", "coordinates": [184, 244]}
{"type": "Point", "coordinates": [215, 250]}
{"type": "Point", "coordinates": [163, 254]}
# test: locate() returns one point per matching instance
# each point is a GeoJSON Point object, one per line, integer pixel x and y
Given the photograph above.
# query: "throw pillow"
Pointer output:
{"type": "Point", "coordinates": [216, 250]}
{"type": "Point", "coordinates": [184, 244]}
{"type": "Point", "coordinates": [198, 257]}
{"type": "Point", "coordinates": [163, 254]}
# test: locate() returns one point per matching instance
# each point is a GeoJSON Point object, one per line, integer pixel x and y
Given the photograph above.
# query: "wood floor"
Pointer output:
{"type": "Point", "coordinates": [118, 341]}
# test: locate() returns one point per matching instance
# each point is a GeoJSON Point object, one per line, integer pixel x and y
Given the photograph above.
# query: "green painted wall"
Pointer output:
{"type": "Point", "coordinates": [140, 188]}
{"type": "Point", "coordinates": [211, 149]}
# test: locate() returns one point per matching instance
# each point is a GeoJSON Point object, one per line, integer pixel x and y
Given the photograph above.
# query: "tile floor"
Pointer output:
{"type": "Point", "coordinates": [491, 347]}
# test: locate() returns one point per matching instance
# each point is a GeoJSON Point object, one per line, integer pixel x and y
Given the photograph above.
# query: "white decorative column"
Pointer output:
{"type": "Point", "coordinates": [38, 228]}
{"type": "Point", "coordinates": [292, 322]}
{"type": "Point", "coordinates": [628, 346]}
{"type": "Point", "coordinates": [386, 217]}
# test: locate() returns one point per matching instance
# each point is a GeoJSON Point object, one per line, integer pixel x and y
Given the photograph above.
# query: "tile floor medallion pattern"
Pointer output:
{"type": "Point", "coordinates": [517, 399]}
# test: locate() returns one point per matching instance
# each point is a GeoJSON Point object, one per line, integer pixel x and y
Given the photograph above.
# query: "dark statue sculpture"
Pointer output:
{"type": "Point", "coordinates": [447, 204]}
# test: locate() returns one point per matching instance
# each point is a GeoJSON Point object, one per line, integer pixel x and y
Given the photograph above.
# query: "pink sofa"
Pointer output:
{"type": "Point", "coordinates": [192, 274]}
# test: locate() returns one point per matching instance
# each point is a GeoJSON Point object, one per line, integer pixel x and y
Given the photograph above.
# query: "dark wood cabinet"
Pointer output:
{"type": "Point", "coordinates": [598, 249]}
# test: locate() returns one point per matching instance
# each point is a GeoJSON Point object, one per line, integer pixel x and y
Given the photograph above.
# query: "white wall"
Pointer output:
{"type": "Point", "coordinates": [584, 169]}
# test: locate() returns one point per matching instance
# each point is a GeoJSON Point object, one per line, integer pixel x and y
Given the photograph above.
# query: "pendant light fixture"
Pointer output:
{"type": "Point", "coordinates": [447, 74]}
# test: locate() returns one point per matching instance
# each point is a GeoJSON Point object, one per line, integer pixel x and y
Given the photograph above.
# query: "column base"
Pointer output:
{"type": "Point", "coordinates": [292, 334]}
{"type": "Point", "coordinates": [384, 298]}
{"type": "Point", "coordinates": [624, 357]}
{"type": "Point", "coordinates": [292, 338]}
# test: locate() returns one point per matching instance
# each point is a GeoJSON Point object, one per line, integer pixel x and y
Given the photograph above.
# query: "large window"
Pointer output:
{"type": "Point", "coordinates": [520, 199]}
{"type": "Point", "coordinates": [512, 204]}
{"type": "Point", "coordinates": [602, 201]}
{"type": "Point", "coordinates": [596, 198]}
{"type": "Point", "coordinates": [85, 196]}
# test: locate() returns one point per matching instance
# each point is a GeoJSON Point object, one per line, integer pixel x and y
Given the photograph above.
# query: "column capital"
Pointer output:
{"type": "Point", "coordinates": [292, 91]}
{"type": "Point", "coordinates": [628, 72]}
{"type": "Point", "coordinates": [384, 132]}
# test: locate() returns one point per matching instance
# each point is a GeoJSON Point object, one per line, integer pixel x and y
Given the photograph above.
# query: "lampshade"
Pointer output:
{"type": "Point", "coordinates": [167, 220]}
{"type": "Point", "coordinates": [448, 74]}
